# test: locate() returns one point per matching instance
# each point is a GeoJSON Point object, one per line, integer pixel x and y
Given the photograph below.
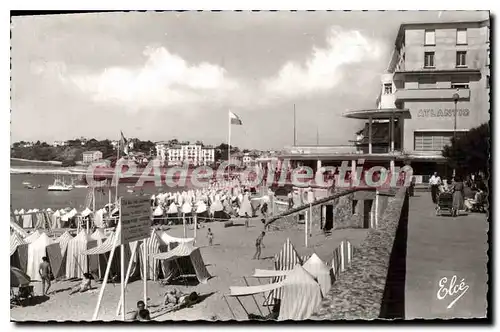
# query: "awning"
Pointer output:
{"type": "Point", "coordinates": [269, 273]}
{"type": "Point", "coordinates": [250, 290]}
{"type": "Point", "coordinates": [182, 250]}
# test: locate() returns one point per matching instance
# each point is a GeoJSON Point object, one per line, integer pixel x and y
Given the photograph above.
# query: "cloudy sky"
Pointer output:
{"type": "Point", "coordinates": [160, 76]}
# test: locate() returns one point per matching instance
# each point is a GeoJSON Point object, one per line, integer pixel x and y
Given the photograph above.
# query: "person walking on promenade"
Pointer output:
{"type": "Point", "coordinates": [247, 219]}
{"type": "Point", "coordinates": [434, 182]}
{"type": "Point", "coordinates": [290, 200]}
{"type": "Point", "coordinates": [458, 195]}
{"type": "Point", "coordinates": [210, 236]}
{"type": "Point", "coordinates": [45, 273]}
{"type": "Point", "coordinates": [259, 244]}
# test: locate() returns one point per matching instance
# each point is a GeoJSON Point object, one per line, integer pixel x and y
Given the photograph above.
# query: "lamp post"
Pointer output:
{"type": "Point", "coordinates": [456, 96]}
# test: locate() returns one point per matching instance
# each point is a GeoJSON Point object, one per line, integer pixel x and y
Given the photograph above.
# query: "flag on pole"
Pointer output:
{"type": "Point", "coordinates": [123, 143]}
{"type": "Point", "coordinates": [235, 120]}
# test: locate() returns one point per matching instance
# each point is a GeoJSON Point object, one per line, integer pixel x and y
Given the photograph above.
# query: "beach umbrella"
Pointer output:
{"type": "Point", "coordinates": [16, 212]}
{"type": "Point", "coordinates": [18, 277]}
{"type": "Point", "coordinates": [172, 208]}
{"type": "Point", "coordinates": [186, 208]}
{"type": "Point", "coordinates": [21, 211]}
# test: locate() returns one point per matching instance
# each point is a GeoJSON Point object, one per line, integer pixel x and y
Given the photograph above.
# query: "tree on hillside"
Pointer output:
{"type": "Point", "coordinates": [469, 154]}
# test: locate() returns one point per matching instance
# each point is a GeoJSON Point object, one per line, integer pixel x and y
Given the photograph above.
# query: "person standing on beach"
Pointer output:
{"type": "Point", "coordinates": [259, 244]}
{"type": "Point", "coordinates": [45, 273]}
{"type": "Point", "coordinates": [290, 200]}
{"type": "Point", "coordinates": [247, 219]}
{"type": "Point", "coordinates": [210, 236]}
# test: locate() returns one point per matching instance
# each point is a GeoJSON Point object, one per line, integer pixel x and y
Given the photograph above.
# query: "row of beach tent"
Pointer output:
{"type": "Point", "coordinates": [299, 283]}
{"type": "Point", "coordinates": [70, 257]}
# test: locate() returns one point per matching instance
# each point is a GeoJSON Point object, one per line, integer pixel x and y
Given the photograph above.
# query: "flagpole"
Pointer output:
{"type": "Point", "coordinates": [116, 164]}
{"type": "Point", "coordinates": [229, 139]}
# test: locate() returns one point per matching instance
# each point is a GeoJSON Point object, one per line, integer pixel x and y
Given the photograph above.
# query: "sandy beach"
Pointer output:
{"type": "Point", "coordinates": [228, 260]}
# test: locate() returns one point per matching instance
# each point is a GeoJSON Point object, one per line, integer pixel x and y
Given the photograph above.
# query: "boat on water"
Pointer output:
{"type": "Point", "coordinates": [60, 185]}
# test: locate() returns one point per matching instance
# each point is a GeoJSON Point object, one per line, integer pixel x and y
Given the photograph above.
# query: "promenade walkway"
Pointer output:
{"type": "Point", "coordinates": [443, 246]}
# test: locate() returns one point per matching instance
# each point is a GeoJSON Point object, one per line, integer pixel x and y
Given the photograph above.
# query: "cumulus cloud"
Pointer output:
{"type": "Point", "coordinates": [165, 79]}
{"type": "Point", "coordinates": [325, 67]}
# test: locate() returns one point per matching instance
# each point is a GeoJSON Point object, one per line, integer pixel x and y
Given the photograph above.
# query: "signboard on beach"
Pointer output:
{"type": "Point", "coordinates": [135, 219]}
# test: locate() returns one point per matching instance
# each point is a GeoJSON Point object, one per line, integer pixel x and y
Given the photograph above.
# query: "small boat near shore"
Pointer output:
{"type": "Point", "coordinates": [59, 185]}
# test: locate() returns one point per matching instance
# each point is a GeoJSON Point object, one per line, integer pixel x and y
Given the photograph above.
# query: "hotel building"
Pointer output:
{"type": "Point", "coordinates": [435, 69]}
{"type": "Point", "coordinates": [194, 154]}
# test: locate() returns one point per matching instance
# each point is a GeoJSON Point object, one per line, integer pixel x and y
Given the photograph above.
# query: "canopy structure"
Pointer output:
{"type": "Point", "coordinates": [301, 294]}
{"type": "Point", "coordinates": [171, 241]}
{"type": "Point", "coordinates": [18, 252]}
{"type": "Point", "coordinates": [98, 235]}
{"type": "Point", "coordinates": [216, 206]}
{"type": "Point", "coordinates": [270, 273]}
{"type": "Point", "coordinates": [320, 271]}
{"type": "Point", "coordinates": [18, 229]}
{"type": "Point", "coordinates": [189, 261]}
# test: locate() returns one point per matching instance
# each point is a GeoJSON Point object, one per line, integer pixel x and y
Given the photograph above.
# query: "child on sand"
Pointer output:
{"type": "Point", "coordinates": [247, 219]}
{"type": "Point", "coordinates": [84, 286]}
{"type": "Point", "coordinates": [258, 245]}
{"type": "Point", "coordinates": [210, 236]}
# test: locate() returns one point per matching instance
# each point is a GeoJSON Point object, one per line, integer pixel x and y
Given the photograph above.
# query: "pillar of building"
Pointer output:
{"type": "Point", "coordinates": [401, 133]}
{"type": "Point", "coordinates": [370, 122]}
{"type": "Point", "coordinates": [392, 166]}
{"type": "Point", "coordinates": [318, 165]}
{"type": "Point", "coordinates": [392, 133]}
{"type": "Point", "coordinates": [353, 169]}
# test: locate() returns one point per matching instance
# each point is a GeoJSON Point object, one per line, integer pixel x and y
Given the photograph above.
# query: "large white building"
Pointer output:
{"type": "Point", "coordinates": [194, 154]}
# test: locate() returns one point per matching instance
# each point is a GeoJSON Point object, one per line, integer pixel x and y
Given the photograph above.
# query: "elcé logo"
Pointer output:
{"type": "Point", "coordinates": [451, 289]}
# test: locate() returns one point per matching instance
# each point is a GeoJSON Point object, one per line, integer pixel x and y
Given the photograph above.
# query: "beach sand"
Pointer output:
{"type": "Point", "coordinates": [228, 260]}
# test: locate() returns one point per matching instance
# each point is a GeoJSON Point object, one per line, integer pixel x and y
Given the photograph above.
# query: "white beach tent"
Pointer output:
{"type": "Point", "coordinates": [42, 248]}
{"type": "Point", "coordinates": [320, 271]}
{"type": "Point", "coordinates": [76, 263]}
{"type": "Point", "coordinates": [246, 207]}
{"type": "Point", "coordinates": [56, 219]}
{"type": "Point", "coordinates": [314, 265]}
{"type": "Point", "coordinates": [301, 294]}
{"type": "Point", "coordinates": [33, 236]}
{"type": "Point", "coordinates": [63, 241]}
{"type": "Point", "coordinates": [186, 207]}
{"type": "Point", "coordinates": [189, 261]}
{"type": "Point", "coordinates": [172, 209]}
{"type": "Point", "coordinates": [172, 241]}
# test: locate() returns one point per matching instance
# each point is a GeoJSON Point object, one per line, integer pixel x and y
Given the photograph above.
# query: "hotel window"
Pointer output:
{"type": "Point", "coordinates": [430, 37]}
{"type": "Point", "coordinates": [461, 59]}
{"type": "Point", "coordinates": [387, 88]}
{"type": "Point", "coordinates": [461, 36]}
{"type": "Point", "coordinates": [429, 59]}
{"type": "Point", "coordinates": [432, 141]}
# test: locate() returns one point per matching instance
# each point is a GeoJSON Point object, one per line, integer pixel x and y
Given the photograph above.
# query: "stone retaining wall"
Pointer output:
{"type": "Point", "coordinates": [362, 292]}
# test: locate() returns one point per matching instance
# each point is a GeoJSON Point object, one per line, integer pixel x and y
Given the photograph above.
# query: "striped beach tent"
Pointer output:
{"type": "Point", "coordinates": [43, 246]}
{"type": "Point", "coordinates": [18, 252]}
{"type": "Point", "coordinates": [63, 241]}
{"type": "Point", "coordinates": [286, 259]}
{"type": "Point", "coordinates": [16, 228]}
{"type": "Point", "coordinates": [342, 256]}
{"type": "Point", "coordinates": [154, 245]}
{"type": "Point", "coordinates": [98, 235]}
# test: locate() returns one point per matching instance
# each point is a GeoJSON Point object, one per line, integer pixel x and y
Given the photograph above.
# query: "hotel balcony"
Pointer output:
{"type": "Point", "coordinates": [435, 94]}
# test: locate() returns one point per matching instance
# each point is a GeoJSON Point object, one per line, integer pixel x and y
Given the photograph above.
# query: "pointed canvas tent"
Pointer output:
{"type": "Point", "coordinates": [18, 229]}
{"type": "Point", "coordinates": [301, 295]}
{"type": "Point", "coordinates": [76, 263]}
{"type": "Point", "coordinates": [320, 271]}
{"type": "Point", "coordinates": [27, 219]}
{"type": "Point", "coordinates": [56, 219]}
{"type": "Point", "coordinates": [98, 235]}
{"type": "Point", "coordinates": [246, 207]}
{"type": "Point", "coordinates": [286, 259]}
{"type": "Point", "coordinates": [189, 261]}
{"type": "Point", "coordinates": [43, 247]}
{"type": "Point", "coordinates": [18, 252]}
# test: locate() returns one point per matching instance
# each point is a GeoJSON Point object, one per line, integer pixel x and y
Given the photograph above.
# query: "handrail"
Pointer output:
{"type": "Point", "coordinates": [318, 202]}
